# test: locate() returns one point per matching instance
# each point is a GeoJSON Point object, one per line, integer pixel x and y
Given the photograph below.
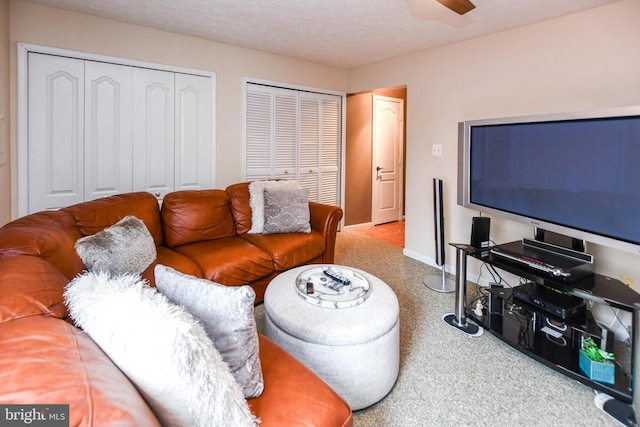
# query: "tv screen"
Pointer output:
{"type": "Point", "coordinates": [576, 175]}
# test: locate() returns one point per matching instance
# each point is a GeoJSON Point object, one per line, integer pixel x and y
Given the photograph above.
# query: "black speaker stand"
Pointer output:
{"type": "Point", "coordinates": [440, 283]}
{"type": "Point", "coordinates": [458, 319]}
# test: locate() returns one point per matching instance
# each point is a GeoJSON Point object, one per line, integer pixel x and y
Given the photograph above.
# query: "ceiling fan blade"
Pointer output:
{"type": "Point", "coordinates": [459, 6]}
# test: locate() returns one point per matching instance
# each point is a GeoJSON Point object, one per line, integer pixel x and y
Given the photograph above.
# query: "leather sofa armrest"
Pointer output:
{"type": "Point", "coordinates": [325, 220]}
{"type": "Point", "coordinates": [293, 395]}
{"type": "Point", "coordinates": [50, 235]}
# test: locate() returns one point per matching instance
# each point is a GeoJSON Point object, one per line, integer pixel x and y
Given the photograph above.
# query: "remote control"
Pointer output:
{"type": "Point", "coordinates": [337, 277]}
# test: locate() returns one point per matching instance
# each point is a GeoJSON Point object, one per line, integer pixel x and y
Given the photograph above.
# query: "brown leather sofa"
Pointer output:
{"type": "Point", "coordinates": [44, 359]}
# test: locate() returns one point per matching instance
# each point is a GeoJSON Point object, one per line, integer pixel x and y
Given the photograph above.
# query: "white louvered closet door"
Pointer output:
{"type": "Point", "coordinates": [285, 141]}
{"type": "Point", "coordinates": [292, 134]}
{"type": "Point", "coordinates": [320, 139]}
{"type": "Point", "coordinates": [258, 133]}
{"type": "Point", "coordinates": [271, 133]}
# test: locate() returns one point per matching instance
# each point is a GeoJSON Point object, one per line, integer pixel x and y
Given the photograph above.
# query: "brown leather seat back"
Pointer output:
{"type": "Point", "coordinates": [96, 215]}
{"type": "Point", "coordinates": [240, 206]}
{"type": "Point", "coordinates": [192, 216]}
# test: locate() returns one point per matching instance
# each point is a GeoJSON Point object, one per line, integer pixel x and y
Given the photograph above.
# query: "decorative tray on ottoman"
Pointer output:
{"type": "Point", "coordinates": [333, 286]}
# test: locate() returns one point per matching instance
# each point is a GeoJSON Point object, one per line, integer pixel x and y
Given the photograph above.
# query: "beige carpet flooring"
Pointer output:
{"type": "Point", "coordinates": [447, 378]}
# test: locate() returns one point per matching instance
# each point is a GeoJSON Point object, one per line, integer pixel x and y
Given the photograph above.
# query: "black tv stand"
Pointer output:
{"type": "Point", "coordinates": [539, 334]}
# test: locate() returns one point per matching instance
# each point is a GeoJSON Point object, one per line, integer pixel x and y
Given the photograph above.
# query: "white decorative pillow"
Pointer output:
{"type": "Point", "coordinates": [226, 312]}
{"type": "Point", "coordinates": [126, 247]}
{"type": "Point", "coordinates": [286, 211]}
{"type": "Point", "coordinates": [256, 200]}
{"type": "Point", "coordinates": [161, 347]}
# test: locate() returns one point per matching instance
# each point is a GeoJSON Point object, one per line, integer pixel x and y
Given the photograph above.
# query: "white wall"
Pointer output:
{"type": "Point", "coordinates": [579, 62]}
{"type": "Point", "coordinates": [5, 175]}
{"type": "Point", "coordinates": [36, 24]}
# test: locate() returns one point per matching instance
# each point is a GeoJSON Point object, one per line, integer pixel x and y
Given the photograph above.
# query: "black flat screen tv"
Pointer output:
{"type": "Point", "coordinates": [577, 174]}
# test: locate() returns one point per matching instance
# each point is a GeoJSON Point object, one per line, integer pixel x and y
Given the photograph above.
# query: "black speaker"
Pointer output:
{"type": "Point", "coordinates": [439, 283]}
{"type": "Point", "coordinates": [480, 231]}
{"type": "Point", "coordinates": [558, 239]}
{"type": "Point", "coordinates": [438, 215]}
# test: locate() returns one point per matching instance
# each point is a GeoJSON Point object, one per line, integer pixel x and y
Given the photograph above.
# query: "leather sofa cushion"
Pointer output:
{"type": "Point", "coordinates": [30, 286]}
{"type": "Point", "coordinates": [44, 360]}
{"type": "Point", "coordinates": [290, 249]}
{"type": "Point", "coordinates": [193, 216]}
{"type": "Point", "coordinates": [240, 199]}
{"type": "Point", "coordinates": [291, 389]}
{"type": "Point", "coordinates": [49, 235]}
{"type": "Point", "coordinates": [96, 215]}
{"type": "Point", "coordinates": [174, 260]}
{"type": "Point", "coordinates": [229, 261]}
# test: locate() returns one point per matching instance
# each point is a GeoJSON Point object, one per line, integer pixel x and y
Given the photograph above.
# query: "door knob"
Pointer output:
{"type": "Point", "coordinates": [379, 168]}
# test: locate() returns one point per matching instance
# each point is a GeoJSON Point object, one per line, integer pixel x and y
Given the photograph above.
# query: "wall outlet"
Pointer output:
{"type": "Point", "coordinates": [628, 280]}
{"type": "Point", "coordinates": [436, 150]}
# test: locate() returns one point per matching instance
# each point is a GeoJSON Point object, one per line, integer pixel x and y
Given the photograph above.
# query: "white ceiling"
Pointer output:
{"type": "Point", "coordinates": [341, 33]}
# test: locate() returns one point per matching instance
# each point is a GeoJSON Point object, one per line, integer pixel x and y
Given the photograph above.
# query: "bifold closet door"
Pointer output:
{"type": "Point", "coordinates": [108, 118]}
{"type": "Point", "coordinates": [96, 129]}
{"type": "Point", "coordinates": [292, 134]}
{"type": "Point", "coordinates": [153, 131]}
{"type": "Point", "coordinates": [271, 133]}
{"type": "Point", "coordinates": [56, 132]}
{"type": "Point", "coordinates": [320, 139]}
{"type": "Point", "coordinates": [194, 129]}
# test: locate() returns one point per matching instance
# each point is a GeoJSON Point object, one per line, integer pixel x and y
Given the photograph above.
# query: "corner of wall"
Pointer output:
{"type": "Point", "coordinates": [5, 170]}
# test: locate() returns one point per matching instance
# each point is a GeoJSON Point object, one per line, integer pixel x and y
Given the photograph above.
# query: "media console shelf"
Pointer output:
{"type": "Point", "coordinates": [542, 336]}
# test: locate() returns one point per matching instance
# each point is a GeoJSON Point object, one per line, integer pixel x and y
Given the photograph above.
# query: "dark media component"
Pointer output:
{"type": "Point", "coordinates": [480, 232]}
{"type": "Point", "coordinates": [496, 301]}
{"type": "Point", "coordinates": [553, 302]}
{"type": "Point", "coordinates": [559, 263]}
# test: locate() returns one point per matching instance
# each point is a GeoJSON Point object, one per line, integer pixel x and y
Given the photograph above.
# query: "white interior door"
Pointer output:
{"type": "Point", "coordinates": [194, 132]}
{"type": "Point", "coordinates": [153, 131]}
{"type": "Point", "coordinates": [387, 137]}
{"type": "Point", "coordinates": [108, 124]}
{"type": "Point", "coordinates": [55, 132]}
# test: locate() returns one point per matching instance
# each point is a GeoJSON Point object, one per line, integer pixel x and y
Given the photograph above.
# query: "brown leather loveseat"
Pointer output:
{"type": "Point", "coordinates": [44, 359]}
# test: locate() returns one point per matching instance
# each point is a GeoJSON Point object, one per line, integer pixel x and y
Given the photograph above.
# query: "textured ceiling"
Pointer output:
{"type": "Point", "coordinates": [342, 33]}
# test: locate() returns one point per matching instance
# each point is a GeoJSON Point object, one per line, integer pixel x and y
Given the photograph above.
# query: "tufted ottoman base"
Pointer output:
{"type": "Point", "coordinates": [355, 350]}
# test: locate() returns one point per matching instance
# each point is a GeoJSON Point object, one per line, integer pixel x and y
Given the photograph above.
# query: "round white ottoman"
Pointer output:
{"type": "Point", "coordinates": [355, 350]}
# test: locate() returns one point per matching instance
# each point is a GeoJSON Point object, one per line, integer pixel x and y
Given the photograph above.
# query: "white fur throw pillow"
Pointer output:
{"type": "Point", "coordinates": [256, 200]}
{"type": "Point", "coordinates": [126, 247]}
{"type": "Point", "coordinates": [226, 312]}
{"type": "Point", "coordinates": [163, 350]}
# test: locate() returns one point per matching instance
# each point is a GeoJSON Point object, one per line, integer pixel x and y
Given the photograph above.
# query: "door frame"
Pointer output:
{"type": "Point", "coordinates": [399, 152]}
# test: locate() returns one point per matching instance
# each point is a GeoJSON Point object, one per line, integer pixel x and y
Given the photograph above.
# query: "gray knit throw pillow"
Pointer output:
{"type": "Point", "coordinates": [286, 211]}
